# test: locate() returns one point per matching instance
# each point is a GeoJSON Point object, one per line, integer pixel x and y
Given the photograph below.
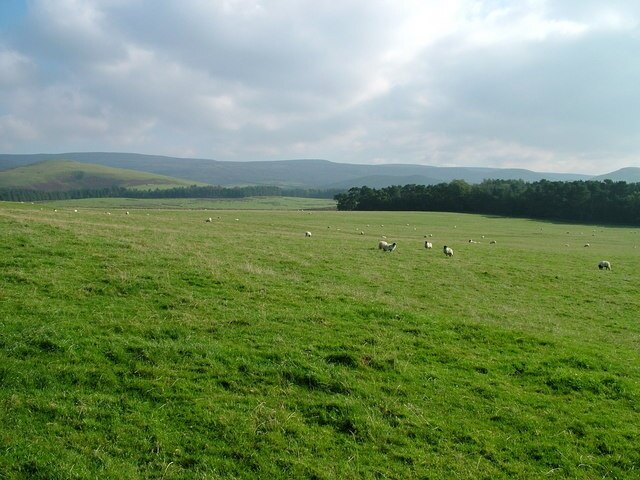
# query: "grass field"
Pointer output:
{"type": "Point", "coordinates": [249, 203]}
{"type": "Point", "coordinates": [69, 175]}
{"type": "Point", "coordinates": [155, 345]}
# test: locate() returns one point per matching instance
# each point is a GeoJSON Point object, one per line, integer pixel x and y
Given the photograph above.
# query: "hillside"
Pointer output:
{"type": "Point", "coordinates": [61, 175]}
{"type": "Point", "coordinates": [629, 174]}
{"type": "Point", "coordinates": [297, 173]}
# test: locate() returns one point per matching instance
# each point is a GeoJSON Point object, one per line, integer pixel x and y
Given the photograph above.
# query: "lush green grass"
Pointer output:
{"type": "Point", "coordinates": [155, 345]}
{"type": "Point", "coordinates": [71, 175]}
{"type": "Point", "coordinates": [249, 203]}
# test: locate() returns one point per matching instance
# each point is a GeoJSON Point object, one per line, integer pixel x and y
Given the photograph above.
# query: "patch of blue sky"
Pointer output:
{"type": "Point", "coordinates": [12, 12]}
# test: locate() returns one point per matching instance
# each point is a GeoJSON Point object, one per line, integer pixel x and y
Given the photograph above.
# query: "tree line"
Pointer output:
{"type": "Point", "coordinates": [193, 191]}
{"type": "Point", "coordinates": [582, 201]}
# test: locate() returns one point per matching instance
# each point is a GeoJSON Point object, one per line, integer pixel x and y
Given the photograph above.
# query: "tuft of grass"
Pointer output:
{"type": "Point", "coordinates": [155, 345]}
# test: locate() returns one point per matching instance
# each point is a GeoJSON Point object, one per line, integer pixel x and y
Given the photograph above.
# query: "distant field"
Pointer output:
{"type": "Point", "coordinates": [249, 203]}
{"type": "Point", "coordinates": [155, 345]}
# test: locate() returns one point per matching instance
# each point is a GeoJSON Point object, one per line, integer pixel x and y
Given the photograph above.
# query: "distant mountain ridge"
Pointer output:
{"type": "Point", "coordinates": [311, 173]}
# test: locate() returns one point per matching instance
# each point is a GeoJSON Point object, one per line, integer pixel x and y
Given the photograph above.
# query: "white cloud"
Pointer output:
{"type": "Point", "coordinates": [15, 69]}
{"type": "Point", "coordinates": [533, 84]}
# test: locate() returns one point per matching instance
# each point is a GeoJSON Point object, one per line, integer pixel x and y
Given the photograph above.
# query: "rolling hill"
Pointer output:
{"type": "Point", "coordinates": [302, 173]}
{"type": "Point", "coordinates": [61, 175]}
{"type": "Point", "coordinates": [629, 175]}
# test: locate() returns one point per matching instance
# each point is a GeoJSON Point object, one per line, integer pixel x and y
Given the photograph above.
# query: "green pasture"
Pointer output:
{"type": "Point", "coordinates": [248, 203]}
{"type": "Point", "coordinates": [68, 174]}
{"type": "Point", "coordinates": [157, 345]}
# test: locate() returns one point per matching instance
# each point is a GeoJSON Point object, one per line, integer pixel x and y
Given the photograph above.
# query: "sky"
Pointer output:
{"type": "Point", "coordinates": [549, 86]}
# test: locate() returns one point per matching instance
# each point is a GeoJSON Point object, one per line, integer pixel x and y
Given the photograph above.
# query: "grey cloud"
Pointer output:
{"type": "Point", "coordinates": [283, 45]}
{"type": "Point", "coordinates": [283, 79]}
{"type": "Point", "coordinates": [571, 97]}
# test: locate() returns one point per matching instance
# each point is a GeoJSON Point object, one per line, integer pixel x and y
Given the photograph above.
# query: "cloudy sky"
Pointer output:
{"type": "Point", "coordinates": [545, 85]}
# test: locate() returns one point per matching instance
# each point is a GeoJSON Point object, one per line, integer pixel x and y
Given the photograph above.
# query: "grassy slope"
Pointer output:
{"type": "Point", "coordinates": [155, 345]}
{"type": "Point", "coordinates": [70, 175]}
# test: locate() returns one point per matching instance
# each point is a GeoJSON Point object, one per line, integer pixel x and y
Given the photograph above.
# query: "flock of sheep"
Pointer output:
{"type": "Point", "coordinates": [390, 247]}
{"type": "Point", "coordinates": [448, 251]}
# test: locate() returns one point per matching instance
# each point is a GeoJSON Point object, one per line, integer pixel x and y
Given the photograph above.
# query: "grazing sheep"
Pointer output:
{"type": "Point", "coordinates": [391, 247]}
{"type": "Point", "coordinates": [208, 220]}
{"type": "Point", "coordinates": [448, 251]}
{"type": "Point", "coordinates": [604, 265]}
{"type": "Point", "coordinates": [492, 242]}
{"type": "Point", "coordinates": [428, 245]}
{"type": "Point", "coordinates": [127, 213]}
{"type": "Point", "coordinates": [387, 247]}
{"type": "Point", "coordinates": [587, 245]}
{"type": "Point", "coordinates": [307, 234]}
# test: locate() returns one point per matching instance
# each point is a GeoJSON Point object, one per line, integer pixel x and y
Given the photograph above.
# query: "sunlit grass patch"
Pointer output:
{"type": "Point", "coordinates": [156, 345]}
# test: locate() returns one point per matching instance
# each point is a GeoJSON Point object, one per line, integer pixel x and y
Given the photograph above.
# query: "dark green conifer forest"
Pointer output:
{"type": "Point", "coordinates": [582, 201]}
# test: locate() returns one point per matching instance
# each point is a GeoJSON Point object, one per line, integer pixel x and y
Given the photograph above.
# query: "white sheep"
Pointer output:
{"type": "Point", "coordinates": [604, 265]}
{"type": "Point", "coordinates": [428, 245]}
{"type": "Point", "coordinates": [208, 220]}
{"type": "Point", "coordinates": [492, 242]}
{"type": "Point", "coordinates": [587, 245]}
{"type": "Point", "coordinates": [448, 251]}
{"type": "Point", "coordinates": [127, 213]}
{"type": "Point", "coordinates": [307, 234]}
{"type": "Point", "coordinates": [387, 247]}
